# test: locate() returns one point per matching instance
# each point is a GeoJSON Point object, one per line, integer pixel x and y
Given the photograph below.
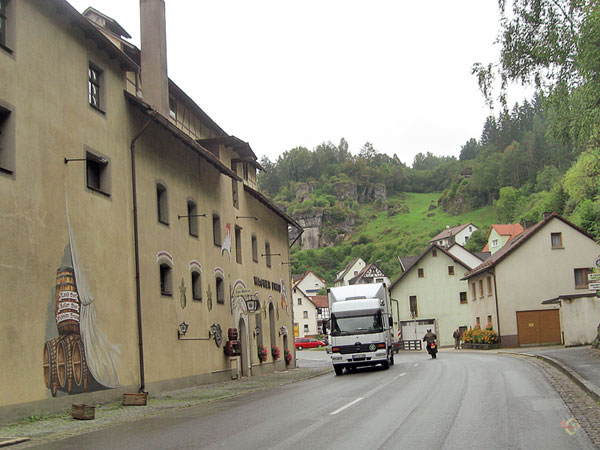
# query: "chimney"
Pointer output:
{"type": "Point", "coordinates": [155, 83]}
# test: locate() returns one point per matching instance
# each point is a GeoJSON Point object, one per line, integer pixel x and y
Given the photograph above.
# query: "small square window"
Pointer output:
{"type": "Point", "coordinates": [97, 173]}
{"type": "Point", "coordinates": [7, 140]}
{"type": "Point", "coordinates": [166, 282]}
{"type": "Point", "coordinates": [305, 314]}
{"type": "Point", "coordinates": [305, 329]}
{"type": "Point", "coordinates": [434, 253]}
{"type": "Point", "coordinates": [463, 297]}
{"type": "Point", "coordinates": [581, 278]}
{"type": "Point", "coordinates": [3, 21]}
{"type": "Point", "coordinates": [254, 248]}
{"type": "Point", "coordinates": [238, 245]}
{"type": "Point", "coordinates": [268, 254]}
{"type": "Point", "coordinates": [413, 306]}
{"type": "Point", "coordinates": [478, 321]}
{"type": "Point", "coordinates": [192, 211]}
{"type": "Point", "coordinates": [299, 302]}
{"type": "Point", "coordinates": [220, 290]}
{"type": "Point", "coordinates": [235, 194]}
{"type": "Point", "coordinates": [421, 273]}
{"type": "Point", "coordinates": [556, 239]}
{"type": "Point", "coordinates": [489, 285]}
{"type": "Point", "coordinates": [494, 243]}
{"type": "Point", "coordinates": [162, 205]}
{"type": "Point", "coordinates": [481, 288]}
{"type": "Point", "coordinates": [474, 291]}
{"type": "Point", "coordinates": [450, 270]}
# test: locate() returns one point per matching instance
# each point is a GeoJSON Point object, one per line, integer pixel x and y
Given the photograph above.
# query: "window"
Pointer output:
{"type": "Point", "coordinates": [305, 314]}
{"type": "Point", "coordinates": [3, 20]}
{"type": "Point", "coordinates": [172, 108]}
{"type": "Point", "coordinates": [450, 270]}
{"type": "Point", "coordinates": [581, 278]}
{"type": "Point", "coordinates": [477, 321]}
{"type": "Point", "coordinates": [481, 288]}
{"type": "Point", "coordinates": [463, 297]}
{"type": "Point", "coordinates": [556, 239]}
{"type": "Point", "coordinates": [474, 291]}
{"type": "Point", "coordinates": [7, 139]}
{"type": "Point", "coordinates": [299, 302]}
{"type": "Point", "coordinates": [166, 282]}
{"type": "Point", "coordinates": [489, 320]}
{"type": "Point", "coordinates": [268, 253]}
{"type": "Point", "coordinates": [238, 245]}
{"type": "Point", "coordinates": [489, 285]}
{"type": "Point", "coordinates": [220, 290]}
{"type": "Point", "coordinates": [216, 230]}
{"type": "Point", "coordinates": [161, 204]}
{"type": "Point", "coordinates": [95, 87]}
{"type": "Point", "coordinates": [305, 329]}
{"type": "Point", "coordinates": [245, 169]}
{"type": "Point", "coordinates": [254, 248]}
{"type": "Point", "coordinates": [421, 273]}
{"type": "Point", "coordinates": [196, 286]}
{"type": "Point", "coordinates": [434, 253]}
{"type": "Point", "coordinates": [494, 242]}
{"type": "Point", "coordinates": [192, 211]}
{"type": "Point", "coordinates": [97, 173]}
{"type": "Point", "coordinates": [234, 193]}
{"type": "Point", "coordinates": [413, 306]}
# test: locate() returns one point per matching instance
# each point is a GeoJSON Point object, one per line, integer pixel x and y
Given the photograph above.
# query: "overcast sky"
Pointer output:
{"type": "Point", "coordinates": [281, 74]}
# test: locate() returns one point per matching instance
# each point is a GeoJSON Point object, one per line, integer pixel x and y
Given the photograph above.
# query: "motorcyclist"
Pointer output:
{"type": "Point", "coordinates": [430, 338]}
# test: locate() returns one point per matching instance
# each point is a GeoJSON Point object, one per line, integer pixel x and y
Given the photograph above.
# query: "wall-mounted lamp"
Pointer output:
{"type": "Point", "coordinates": [99, 160]}
{"type": "Point", "coordinates": [252, 304]}
{"type": "Point", "coordinates": [191, 215]}
{"type": "Point", "coordinates": [256, 331]}
{"type": "Point", "coordinates": [183, 327]}
{"type": "Point", "coordinates": [247, 217]}
{"type": "Point", "coordinates": [283, 331]}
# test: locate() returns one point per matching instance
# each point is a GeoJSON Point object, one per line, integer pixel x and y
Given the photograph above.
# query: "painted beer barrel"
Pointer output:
{"type": "Point", "coordinates": [78, 363]}
{"type": "Point", "coordinates": [66, 305]}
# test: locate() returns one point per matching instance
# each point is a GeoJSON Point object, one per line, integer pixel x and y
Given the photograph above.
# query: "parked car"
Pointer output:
{"type": "Point", "coordinates": [308, 343]}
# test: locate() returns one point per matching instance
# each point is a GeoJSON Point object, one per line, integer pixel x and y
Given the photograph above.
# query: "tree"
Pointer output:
{"type": "Point", "coordinates": [477, 241]}
{"type": "Point", "coordinates": [469, 150]}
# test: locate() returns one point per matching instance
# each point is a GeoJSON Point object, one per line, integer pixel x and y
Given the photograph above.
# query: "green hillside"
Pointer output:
{"type": "Point", "coordinates": [382, 238]}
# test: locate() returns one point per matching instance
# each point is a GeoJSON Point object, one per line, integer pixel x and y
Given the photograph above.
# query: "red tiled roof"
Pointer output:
{"type": "Point", "coordinates": [511, 229]}
{"type": "Point", "coordinates": [320, 301]}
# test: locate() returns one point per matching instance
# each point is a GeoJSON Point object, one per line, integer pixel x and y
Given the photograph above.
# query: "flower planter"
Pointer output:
{"type": "Point", "coordinates": [480, 346]}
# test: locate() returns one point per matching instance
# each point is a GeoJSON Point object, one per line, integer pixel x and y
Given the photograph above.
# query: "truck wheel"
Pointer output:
{"type": "Point", "coordinates": [338, 370]}
{"type": "Point", "coordinates": [385, 365]}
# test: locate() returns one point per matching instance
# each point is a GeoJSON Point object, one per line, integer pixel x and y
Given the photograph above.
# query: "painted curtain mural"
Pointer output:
{"type": "Point", "coordinates": [80, 358]}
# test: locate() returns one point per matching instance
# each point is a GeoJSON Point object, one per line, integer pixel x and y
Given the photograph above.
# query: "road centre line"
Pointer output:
{"type": "Point", "coordinates": [346, 406]}
{"type": "Point", "coordinates": [416, 364]}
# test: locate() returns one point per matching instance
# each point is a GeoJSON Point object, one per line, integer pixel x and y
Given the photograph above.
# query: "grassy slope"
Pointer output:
{"type": "Point", "coordinates": [404, 234]}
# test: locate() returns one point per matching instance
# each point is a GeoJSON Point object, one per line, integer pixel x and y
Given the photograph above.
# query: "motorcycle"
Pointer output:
{"type": "Point", "coordinates": [432, 349]}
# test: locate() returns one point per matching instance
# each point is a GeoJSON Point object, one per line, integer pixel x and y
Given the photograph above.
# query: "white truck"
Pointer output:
{"type": "Point", "coordinates": [360, 332]}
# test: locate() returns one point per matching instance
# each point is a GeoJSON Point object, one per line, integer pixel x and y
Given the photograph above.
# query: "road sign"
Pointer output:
{"type": "Point", "coordinates": [594, 286]}
{"type": "Point", "coordinates": [594, 276]}
{"type": "Point", "coordinates": [597, 262]}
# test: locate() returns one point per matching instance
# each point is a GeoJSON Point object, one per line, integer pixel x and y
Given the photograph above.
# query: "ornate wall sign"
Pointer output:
{"type": "Point", "coordinates": [182, 297]}
{"type": "Point", "coordinates": [216, 333]}
{"type": "Point", "coordinates": [209, 298]}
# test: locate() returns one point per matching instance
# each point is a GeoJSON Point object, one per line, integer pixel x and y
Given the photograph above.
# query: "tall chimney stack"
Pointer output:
{"type": "Point", "coordinates": [155, 82]}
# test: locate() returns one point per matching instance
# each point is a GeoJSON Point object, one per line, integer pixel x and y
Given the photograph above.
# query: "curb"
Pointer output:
{"type": "Point", "coordinates": [591, 389]}
{"type": "Point", "coordinates": [12, 441]}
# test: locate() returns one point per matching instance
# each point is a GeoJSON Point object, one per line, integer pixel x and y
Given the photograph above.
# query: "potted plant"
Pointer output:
{"type": "Point", "coordinates": [262, 353]}
{"type": "Point", "coordinates": [287, 355]}
{"type": "Point", "coordinates": [275, 352]}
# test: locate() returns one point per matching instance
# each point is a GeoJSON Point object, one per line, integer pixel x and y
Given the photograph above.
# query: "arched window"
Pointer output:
{"type": "Point", "coordinates": [166, 280]}
{"type": "Point", "coordinates": [196, 285]}
{"type": "Point", "coordinates": [220, 290]}
{"type": "Point", "coordinates": [162, 204]}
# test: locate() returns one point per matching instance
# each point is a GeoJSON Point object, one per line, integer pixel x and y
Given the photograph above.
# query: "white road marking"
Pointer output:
{"type": "Point", "coordinates": [416, 364]}
{"type": "Point", "coordinates": [398, 376]}
{"type": "Point", "coordinates": [346, 406]}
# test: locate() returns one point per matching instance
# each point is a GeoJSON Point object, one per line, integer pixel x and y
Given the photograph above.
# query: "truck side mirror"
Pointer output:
{"type": "Point", "coordinates": [391, 321]}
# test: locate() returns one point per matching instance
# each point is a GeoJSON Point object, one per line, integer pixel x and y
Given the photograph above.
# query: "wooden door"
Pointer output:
{"type": "Point", "coordinates": [538, 327]}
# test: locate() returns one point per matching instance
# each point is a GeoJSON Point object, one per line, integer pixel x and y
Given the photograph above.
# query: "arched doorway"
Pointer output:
{"type": "Point", "coordinates": [243, 347]}
{"type": "Point", "coordinates": [272, 324]}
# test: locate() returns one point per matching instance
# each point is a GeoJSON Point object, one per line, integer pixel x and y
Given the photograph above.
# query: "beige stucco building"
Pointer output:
{"type": "Point", "coordinates": [134, 234]}
{"type": "Point", "coordinates": [548, 260]}
{"type": "Point", "coordinates": [431, 295]}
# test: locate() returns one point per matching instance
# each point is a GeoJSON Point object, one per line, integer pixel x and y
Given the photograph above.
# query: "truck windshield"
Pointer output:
{"type": "Point", "coordinates": [358, 324]}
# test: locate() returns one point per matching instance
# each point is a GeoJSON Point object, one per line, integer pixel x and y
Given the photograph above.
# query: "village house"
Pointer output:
{"type": "Point", "coordinates": [549, 261]}
{"type": "Point", "coordinates": [429, 294]}
{"type": "Point", "coordinates": [500, 234]}
{"type": "Point", "coordinates": [459, 234]}
{"type": "Point", "coordinates": [308, 316]}
{"type": "Point", "coordinates": [148, 258]}
{"type": "Point", "coordinates": [351, 270]}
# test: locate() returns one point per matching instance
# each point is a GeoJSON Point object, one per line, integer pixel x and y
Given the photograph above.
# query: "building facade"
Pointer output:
{"type": "Point", "coordinates": [137, 234]}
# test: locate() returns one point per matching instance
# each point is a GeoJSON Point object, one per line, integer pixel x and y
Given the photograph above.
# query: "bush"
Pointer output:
{"type": "Point", "coordinates": [478, 336]}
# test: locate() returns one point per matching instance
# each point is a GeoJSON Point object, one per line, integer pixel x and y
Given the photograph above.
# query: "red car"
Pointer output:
{"type": "Point", "coordinates": [308, 343]}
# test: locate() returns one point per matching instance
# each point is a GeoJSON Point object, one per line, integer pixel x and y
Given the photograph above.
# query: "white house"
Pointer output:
{"type": "Point", "coordinates": [459, 234]}
{"type": "Point", "coordinates": [470, 258]}
{"type": "Point", "coordinates": [351, 270]}
{"type": "Point", "coordinates": [310, 283]}
{"type": "Point", "coordinates": [551, 259]}
{"type": "Point", "coordinates": [370, 274]}
{"type": "Point", "coordinates": [499, 234]}
{"type": "Point", "coordinates": [431, 294]}
{"type": "Point", "coordinates": [308, 316]}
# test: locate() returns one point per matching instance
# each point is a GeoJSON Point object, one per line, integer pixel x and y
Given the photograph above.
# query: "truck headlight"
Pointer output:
{"type": "Point", "coordinates": [378, 354]}
{"type": "Point", "coordinates": [336, 358]}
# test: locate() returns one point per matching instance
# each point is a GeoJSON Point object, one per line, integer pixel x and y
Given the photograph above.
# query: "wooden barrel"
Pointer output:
{"type": "Point", "coordinates": [78, 362]}
{"type": "Point", "coordinates": [66, 302]}
{"type": "Point", "coordinates": [62, 358]}
{"type": "Point", "coordinates": [49, 366]}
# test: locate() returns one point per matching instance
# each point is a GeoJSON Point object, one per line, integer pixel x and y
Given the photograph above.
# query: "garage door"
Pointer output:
{"type": "Point", "coordinates": [538, 327]}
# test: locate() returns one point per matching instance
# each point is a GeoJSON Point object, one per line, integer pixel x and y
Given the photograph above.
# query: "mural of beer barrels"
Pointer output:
{"type": "Point", "coordinates": [61, 363]}
{"type": "Point", "coordinates": [49, 365]}
{"type": "Point", "coordinates": [67, 304]}
{"type": "Point", "coordinates": [78, 362]}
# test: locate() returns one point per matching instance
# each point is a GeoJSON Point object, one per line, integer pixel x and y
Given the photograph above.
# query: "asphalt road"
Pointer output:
{"type": "Point", "coordinates": [458, 401]}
